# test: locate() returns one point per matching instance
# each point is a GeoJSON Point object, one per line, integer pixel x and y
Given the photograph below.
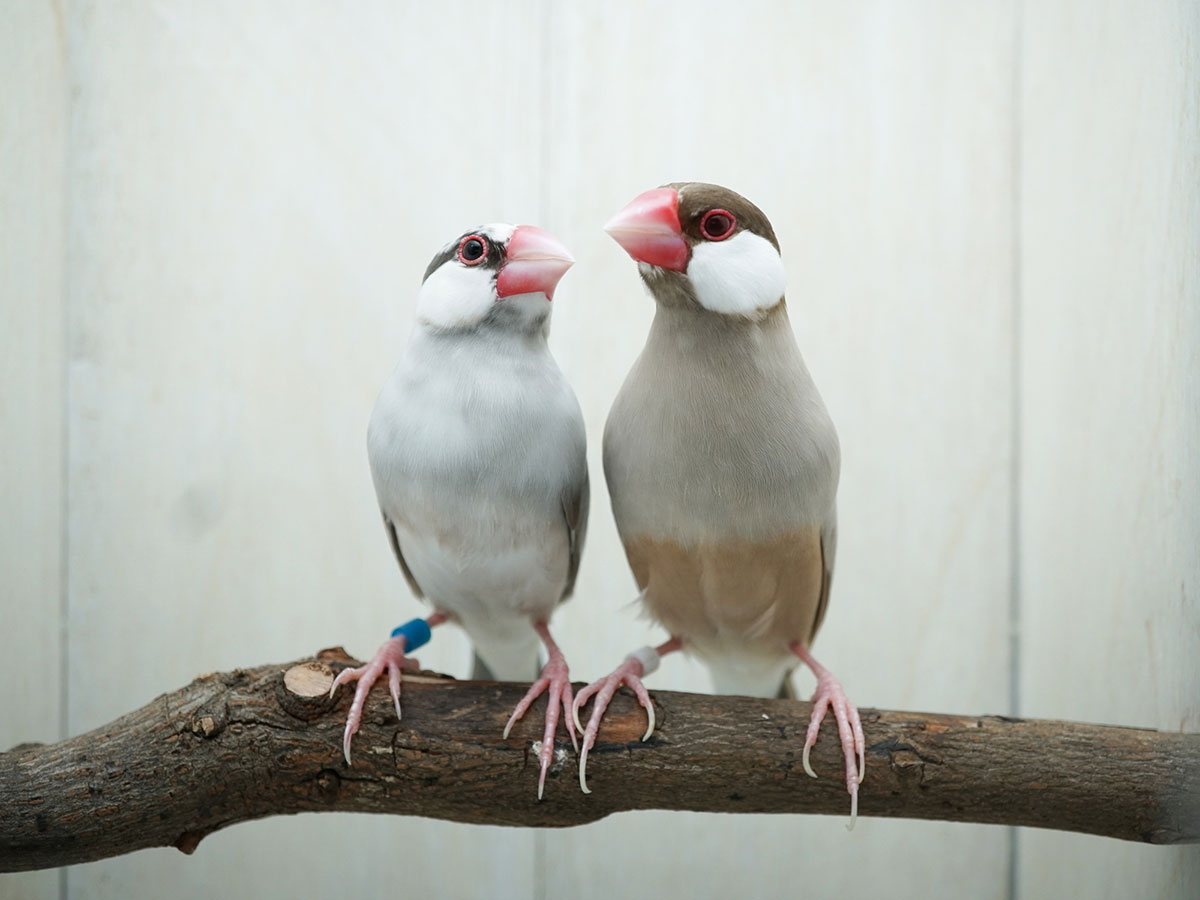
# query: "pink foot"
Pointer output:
{"type": "Point", "coordinates": [390, 656]}
{"type": "Point", "coordinates": [629, 672]}
{"type": "Point", "coordinates": [556, 677]}
{"type": "Point", "coordinates": [829, 693]}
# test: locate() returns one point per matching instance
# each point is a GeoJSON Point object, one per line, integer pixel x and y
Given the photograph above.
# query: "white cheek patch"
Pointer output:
{"type": "Point", "coordinates": [456, 296]}
{"type": "Point", "coordinates": [741, 276]}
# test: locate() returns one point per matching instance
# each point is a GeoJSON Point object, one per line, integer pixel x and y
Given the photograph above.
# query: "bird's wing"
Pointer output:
{"type": "Point", "coordinates": [575, 515]}
{"type": "Point", "coordinates": [828, 551]}
{"type": "Point", "coordinates": [395, 542]}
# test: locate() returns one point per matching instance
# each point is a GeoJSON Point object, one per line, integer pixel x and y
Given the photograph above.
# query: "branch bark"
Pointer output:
{"type": "Point", "coordinates": [267, 741]}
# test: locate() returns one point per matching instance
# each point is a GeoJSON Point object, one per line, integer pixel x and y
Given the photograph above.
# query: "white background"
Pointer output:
{"type": "Point", "coordinates": [213, 220]}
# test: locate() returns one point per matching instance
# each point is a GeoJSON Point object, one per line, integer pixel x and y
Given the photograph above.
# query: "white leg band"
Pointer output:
{"type": "Point", "coordinates": [648, 657]}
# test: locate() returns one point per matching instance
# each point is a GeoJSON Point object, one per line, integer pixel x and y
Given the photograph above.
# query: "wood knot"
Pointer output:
{"type": "Point", "coordinates": [188, 842]}
{"type": "Point", "coordinates": [327, 785]}
{"type": "Point", "coordinates": [209, 721]}
{"type": "Point", "coordinates": [906, 760]}
{"type": "Point", "coordinates": [910, 763]}
{"type": "Point", "coordinates": [206, 726]}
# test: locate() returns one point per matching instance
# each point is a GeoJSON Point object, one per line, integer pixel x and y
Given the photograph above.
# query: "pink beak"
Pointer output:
{"type": "Point", "coordinates": [536, 261]}
{"type": "Point", "coordinates": [648, 228]}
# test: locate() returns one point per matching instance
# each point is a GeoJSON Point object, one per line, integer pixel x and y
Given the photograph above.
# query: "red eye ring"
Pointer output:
{"type": "Point", "coordinates": [724, 228]}
{"type": "Point", "coordinates": [472, 260]}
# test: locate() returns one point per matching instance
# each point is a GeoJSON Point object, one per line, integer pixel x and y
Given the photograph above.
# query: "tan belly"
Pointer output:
{"type": "Point", "coordinates": [733, 595]}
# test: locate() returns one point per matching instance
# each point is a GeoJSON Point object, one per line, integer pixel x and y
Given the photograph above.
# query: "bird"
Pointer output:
{"type": "Point", "coordinates": [477, 451]}
{"type": "Point", "coordinates": [722, 465]}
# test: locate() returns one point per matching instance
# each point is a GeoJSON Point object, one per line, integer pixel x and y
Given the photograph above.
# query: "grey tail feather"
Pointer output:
{"type": "Point", "coordinates": [481, 672]}
{"type": "Point", "coordinates": [786, 691]}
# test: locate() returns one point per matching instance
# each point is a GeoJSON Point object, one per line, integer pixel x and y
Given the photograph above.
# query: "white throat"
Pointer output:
{"type": "Point", "coordinates": [742, 276]}
{"type": "Point", "coordinates": [456, 296]}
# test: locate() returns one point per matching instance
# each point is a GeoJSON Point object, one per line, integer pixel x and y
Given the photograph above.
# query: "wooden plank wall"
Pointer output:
{"type": "Point", "coordinates": [33, 223]}
{"type": "Point", "coordinates": [213, 220]}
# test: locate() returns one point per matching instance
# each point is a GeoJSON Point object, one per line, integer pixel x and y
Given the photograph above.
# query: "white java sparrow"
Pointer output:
{"type": "Point", "coordinates": [477, 450]}
{"type": "Point", "coordinates": [722, 463]}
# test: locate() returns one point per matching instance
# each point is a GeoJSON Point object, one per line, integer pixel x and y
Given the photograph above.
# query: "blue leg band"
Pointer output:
{"type": "Point", "coordinates": [416, 634]}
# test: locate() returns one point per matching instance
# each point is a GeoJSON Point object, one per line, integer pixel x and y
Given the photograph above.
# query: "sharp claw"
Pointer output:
{"type": "Point", "coordinates": [523, 705]}
{"type": "Point", "coordinates": [387, 658]}
{"type": "Point", "coordinates": [555, 683]}
{"type": "Point", "coordinates": [567, 700]}
{"type": "Point", "coordinates": [512, 720]}
{"type": "Point", "coordinates": [603, 691]}
{"type": "Point", "coordinates": [829, 694]}
{"type": "Point", "coordinates": [394, 689]}
{"type": "Point", "coordinates": [338, 682]}
{"type": "Point", "coordinates": [804, 759]}
{"type": "Point", "coordinates": [643, 698]}
{"type": "Point", "coordinates": [547, 758]}
{"type": "Point", "coordinates": [583, 769]}
{"type": "Point", "coordinates": [545, 764]}
{"type": "Point", "coordinates": [860, 743]}
{"type": "Point", "coordinates": [553, 702]}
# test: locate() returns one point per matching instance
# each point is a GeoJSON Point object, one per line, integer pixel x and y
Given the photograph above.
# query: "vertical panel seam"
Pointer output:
{"type": "Point", "coordinates": [543, 9]}
{"type": "Point", "coordinates": [63, 12]}
{"type": "Point", "coordinates": [1015, 416]}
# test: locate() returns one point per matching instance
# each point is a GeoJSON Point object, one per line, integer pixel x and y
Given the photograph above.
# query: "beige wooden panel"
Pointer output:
{"type": "Point", "coordinates": [878, 139]}
{"type": "Point", "coordinates": [258, 190]}
{"type": "Point", "coordinates": [33, 97]}
{"type": "Point", "coordinates": [1110, 493]}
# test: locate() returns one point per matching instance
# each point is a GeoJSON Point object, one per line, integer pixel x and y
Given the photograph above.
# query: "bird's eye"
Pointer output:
{"type": "Point", "coordinates": [717, 224]}
{"type": "Point", "coordinates": [472, 250]}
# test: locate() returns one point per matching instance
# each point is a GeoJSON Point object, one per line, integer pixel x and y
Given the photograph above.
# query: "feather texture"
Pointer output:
{"type": "Point", "coordinates": [477, 448]}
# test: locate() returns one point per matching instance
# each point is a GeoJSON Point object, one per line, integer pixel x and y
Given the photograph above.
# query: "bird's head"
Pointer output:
{"type": "Point", "coordinates": [495, 275]}
{"type": "Point", "coordinates": [703, 244]}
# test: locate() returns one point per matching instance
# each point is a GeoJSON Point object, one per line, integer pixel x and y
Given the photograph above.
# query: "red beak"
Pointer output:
{"type": "Point", "coordinates": [535, 262]}
{"type": "Point", "coordinates": [648, 229]}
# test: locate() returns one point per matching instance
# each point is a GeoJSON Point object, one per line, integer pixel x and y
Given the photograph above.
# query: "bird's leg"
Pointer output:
{"type": "Point", "coordinates": [636, 665]}
{"type": "Point", "coordinates": [556, 677]}
{"type": "Point", "coordinates": [390, 656]}
{"type": "Point", "coordinates": [829, 693]}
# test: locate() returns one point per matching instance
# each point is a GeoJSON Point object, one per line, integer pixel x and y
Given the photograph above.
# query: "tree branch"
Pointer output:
{"type": "Point", "coordinates": [265, 741]}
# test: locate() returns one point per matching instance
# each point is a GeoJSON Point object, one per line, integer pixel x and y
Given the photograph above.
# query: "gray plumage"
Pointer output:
{"type": "Point", "coordinates": [478, 455]}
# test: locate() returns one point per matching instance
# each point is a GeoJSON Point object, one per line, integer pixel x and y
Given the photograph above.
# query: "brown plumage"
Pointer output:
{"type": "Point", "coordinates": [721, 460]}
{"type": "Point", "coordinates": [722, 466]}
